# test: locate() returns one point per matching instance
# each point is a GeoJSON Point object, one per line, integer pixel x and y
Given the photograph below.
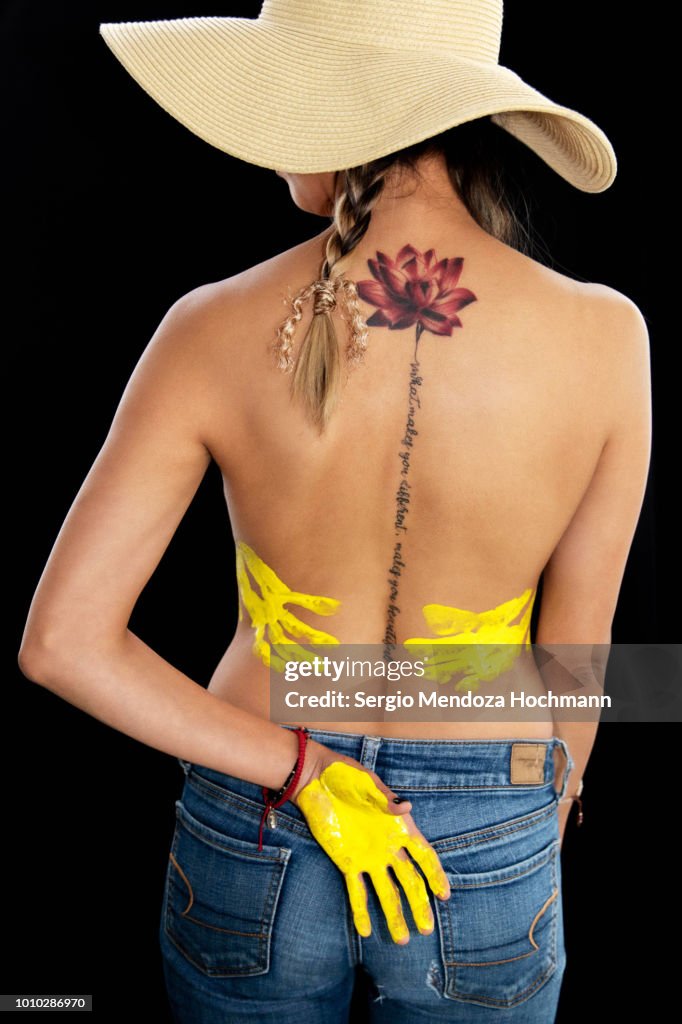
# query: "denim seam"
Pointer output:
{"type": "Point", "coordinates": [225, 931]}
{"type": "Point", "coordinates": [283, 854]}
{"type": "Point", "coordinates": [497, 832]}
{"type": "Point", "coordinates": [510, 959]}
{"type": "Point", "coordinates": [204, 924]}
{"type": "Point", "coordinates": [291, 824]}
{"type": "Point", "coordinates": [448, 743]}
{"type": "Point", "coordinates": [262, 965]}
{"type": "Point", "coordinates": [553, 939]}
{"type": "Point", "coordinates": [520, 997]}
{"type": "Point", "coordinates": [490, 787]}
{"type": "Point", "coordinates": [353, 939]}
{"type": "Point", "coordinates": [243, 803]}
{"type": "Point", "coordinates": [515, 787]}
{"type": "Point", "coordinates": [173, 860]}
{"type": "Point", "coordinates": [538, 982]}
{"type": "Point", "coordinates": [507, 878]}
{"type": "Point", "coordinates": [268, 908]}
{"type": "Point", "coordinates": [202, 967]}
{"type": "Point", "coordinates": [277, 867]}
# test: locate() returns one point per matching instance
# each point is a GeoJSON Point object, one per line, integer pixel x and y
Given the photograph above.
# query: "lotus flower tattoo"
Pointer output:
{"type": "Point", "coordinates": [415, 288]}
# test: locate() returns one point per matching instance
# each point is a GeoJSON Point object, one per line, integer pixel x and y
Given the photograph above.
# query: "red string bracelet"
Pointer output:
{"type": "Point", "coordinates": [276, 799]}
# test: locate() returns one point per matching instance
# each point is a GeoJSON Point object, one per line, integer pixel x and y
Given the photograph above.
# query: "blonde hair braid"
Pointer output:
{"type": "Point", "coordinates": [317, 371]}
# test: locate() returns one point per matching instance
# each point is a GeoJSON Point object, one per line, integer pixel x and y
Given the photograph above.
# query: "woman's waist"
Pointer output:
{"type": "Point", "coordinates": [509, 706]}
{"type": "Point", "coordinates": [482, 770]}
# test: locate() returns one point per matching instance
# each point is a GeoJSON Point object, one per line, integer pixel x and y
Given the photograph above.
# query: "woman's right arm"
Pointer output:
{"type": "Point", "coordinates": [583, 577]}
{"type": "Point", "coordinates": [76, 641]}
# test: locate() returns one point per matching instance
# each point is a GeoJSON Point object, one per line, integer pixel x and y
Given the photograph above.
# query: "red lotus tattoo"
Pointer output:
{"type": "Point", "coordinates": [415, 288]}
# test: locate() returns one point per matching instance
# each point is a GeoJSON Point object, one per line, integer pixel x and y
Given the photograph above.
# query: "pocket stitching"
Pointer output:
{"type": "Point", "coordinates": [183, 876]}
{"type": "Point", "coordinates": [519, 998]}
{"type": "Point", "coordinates": [223, 845]}
{"type": "Point", "coordinates": [244, 803]}
{"type": "Point", "coordinates": [279, 861]}
{"type": "Point", "coordinates": [497, 831]}
{"type": "Point", "coordinates": [541, 912]}
{"type": "Point", "coordinates": [484, 1000]}
{"type": "Point", "coordinates": [503, 879]}
{"type": "Point", "coordinates": [204, 924]}
{"type": "Point", "coordinates": [487, 963]}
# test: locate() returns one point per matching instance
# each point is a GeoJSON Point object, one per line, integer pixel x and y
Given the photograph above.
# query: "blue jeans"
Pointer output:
{"type": "Point", "coordinates": [268, 936]}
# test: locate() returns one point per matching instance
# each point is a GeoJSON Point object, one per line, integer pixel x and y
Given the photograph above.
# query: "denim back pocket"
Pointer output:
{"type": "Point", "coordinates": [221, 898]}
{"type": "Point", "coordinates": [498, 930]}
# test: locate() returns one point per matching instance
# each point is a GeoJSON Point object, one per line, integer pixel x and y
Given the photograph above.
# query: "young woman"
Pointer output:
{"type": "Point", "coordinates": [436, 424]}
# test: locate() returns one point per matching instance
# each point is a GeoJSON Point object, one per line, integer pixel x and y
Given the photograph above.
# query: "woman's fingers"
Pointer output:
{"type": "Point", "coordinates": [357, 894]}
{"type": "Point", "coordinates": [396, 803]}
{"type": "Point", "coordinates": [415, 891]}
{"type": "Point", "coordinates": [427, 859]}
{"type": "Point", "coordinates": [389, 897]}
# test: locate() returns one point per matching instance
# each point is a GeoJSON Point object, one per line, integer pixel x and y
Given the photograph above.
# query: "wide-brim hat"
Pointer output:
{"type": "Point", "coordinates": [322, 85]}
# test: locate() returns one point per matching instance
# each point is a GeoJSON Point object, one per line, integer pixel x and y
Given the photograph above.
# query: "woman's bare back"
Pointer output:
{"type": "Point", "coordinates": [512, 412]}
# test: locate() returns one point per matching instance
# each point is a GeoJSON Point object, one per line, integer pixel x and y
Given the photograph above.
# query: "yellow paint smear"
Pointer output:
{"type": "Point", "coordinates": [348, 816]}
{"type": "Point", "coordinates": [491, 640]}
{"type": "Point", "coordinates": [271, 620]}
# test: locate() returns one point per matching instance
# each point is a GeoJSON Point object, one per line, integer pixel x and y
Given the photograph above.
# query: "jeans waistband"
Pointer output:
{"type": "Point", "coordinates": [454, 764]}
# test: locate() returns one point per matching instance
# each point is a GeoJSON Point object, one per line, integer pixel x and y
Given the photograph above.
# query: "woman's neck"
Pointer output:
{"type": "Point", "coordinates": [418, 210]}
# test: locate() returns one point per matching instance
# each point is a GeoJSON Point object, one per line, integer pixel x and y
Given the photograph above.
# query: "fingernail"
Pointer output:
{"type": "Point", "coordinates": [397, 799]}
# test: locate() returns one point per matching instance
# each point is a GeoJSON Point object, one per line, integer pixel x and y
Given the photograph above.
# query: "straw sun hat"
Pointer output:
{"type": "Point", "coordinates": [323, 85]}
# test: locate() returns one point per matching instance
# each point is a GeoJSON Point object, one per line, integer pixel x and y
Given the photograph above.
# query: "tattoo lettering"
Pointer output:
{"type": "Point", "coordinates": [413, 290]}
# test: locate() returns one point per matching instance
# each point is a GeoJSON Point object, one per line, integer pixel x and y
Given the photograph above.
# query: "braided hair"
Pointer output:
{"type": "Point", "coordinates": [317, 370]}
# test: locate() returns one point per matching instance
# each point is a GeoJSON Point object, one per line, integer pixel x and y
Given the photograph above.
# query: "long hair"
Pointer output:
{"type": "Point", "coordinates": [477, 155]}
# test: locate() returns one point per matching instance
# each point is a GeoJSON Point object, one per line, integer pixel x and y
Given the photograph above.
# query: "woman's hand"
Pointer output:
{"type": "Point", "coordinates": [358, 823]}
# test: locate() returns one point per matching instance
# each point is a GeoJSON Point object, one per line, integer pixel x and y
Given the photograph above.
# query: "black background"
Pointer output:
{"type": "Point", "coordinates": [112, 210]}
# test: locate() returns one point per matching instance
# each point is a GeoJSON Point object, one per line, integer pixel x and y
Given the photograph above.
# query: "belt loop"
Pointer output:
{"type": "Point", "coordinates": [368, 753]}
{"type": "Point", "coordinates": [185, 765]}
{"type": "Point", "coordinates": [569, 765]}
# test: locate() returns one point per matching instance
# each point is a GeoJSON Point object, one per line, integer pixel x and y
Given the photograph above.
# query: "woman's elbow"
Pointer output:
{"type": "Point", "coordinates": [42, 656]}
{"type": "Point", "coordinates": [27, 662]}
{"type": "Point", "coordinates": [50, 654]}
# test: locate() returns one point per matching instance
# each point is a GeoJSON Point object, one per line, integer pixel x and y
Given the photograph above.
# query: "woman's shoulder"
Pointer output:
{"type": "Point", "coordinates": [223, 313]}
{"type": "Point", "coordinates": [615, 320]}
{"type": "Point", "coordinates": [607, 303]}
{"type": "Point", "coordinates": [596, 314]}
{"type": "Point", "coordinates": [601, 298]}
{"type": "Point", "coordinates": [606, 343]}
{"type": "Point", "coordinates": [298, 264]}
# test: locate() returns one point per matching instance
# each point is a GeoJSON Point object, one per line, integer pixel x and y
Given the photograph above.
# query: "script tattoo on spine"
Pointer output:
{"type": "Point", "coordinates": [415, 289]}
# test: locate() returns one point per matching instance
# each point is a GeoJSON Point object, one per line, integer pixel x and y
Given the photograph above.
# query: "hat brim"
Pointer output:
{"type": "Point", "coordinates": [291, 101]}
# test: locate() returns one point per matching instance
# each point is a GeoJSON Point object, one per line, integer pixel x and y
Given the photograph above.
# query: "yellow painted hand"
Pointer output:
{"type": "Point", "coordinates": [349, 816]}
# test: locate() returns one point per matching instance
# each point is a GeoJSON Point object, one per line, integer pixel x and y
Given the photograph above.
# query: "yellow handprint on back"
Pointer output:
{"type": "Point", "coordinates": [498, 636]}
{"type": "Point", "coordinates": [273, 623]}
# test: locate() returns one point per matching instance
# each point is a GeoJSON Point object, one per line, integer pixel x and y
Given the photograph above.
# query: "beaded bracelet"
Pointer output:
{"type": "Point", "coordinates": [275, 799]}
